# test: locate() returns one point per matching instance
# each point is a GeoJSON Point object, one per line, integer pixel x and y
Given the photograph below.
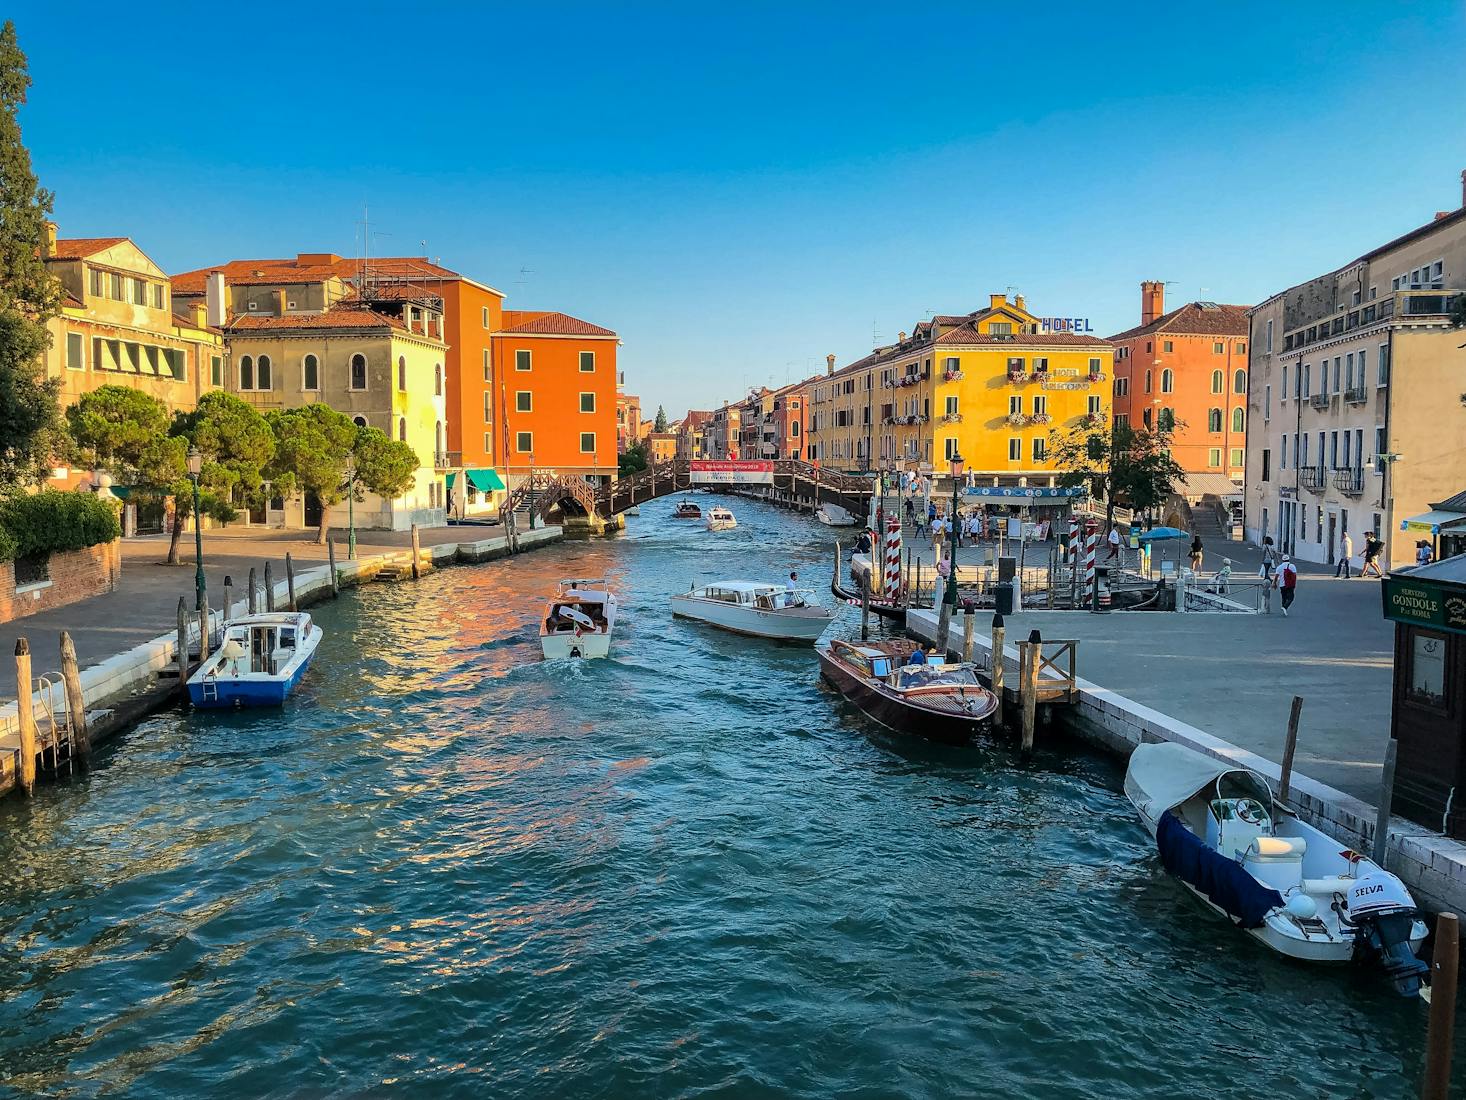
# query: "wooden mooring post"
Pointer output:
{"type": "Point", "coordinates": [416, 554]}
{"type": "Point", "coordinates": [25, 716]}
{"type": "Point", "coordinates": [1031, 663]}
{"type": "Point", "coordinates": [1290, 745]}
{"type": "Point", "coordinates": [1444, 966]}
{"type": "Point", "coordinates": [252, 597]}
{"type": "Point", "coordinates": [228, 597]}
{"type": "Point", "coordinates": [331, 563]}
{"type": "Point", "coordinates": [290, 581]}
{"type": "Point", "coordinates": [997, 666]}
{"type": "Point", "coordinates": [969, 632]}
{"type": "Point", "coordinates": [204, 630]}
{"type": "Point", "coordinates": [269, 588]}
{"type": "Point", "coordinates": [865, 608]}
{"type": "Point", "coordinates": [182, 649]}
{"type": "Point", "coordinates": [76, 705]}
{"type": "Point", "coordinates": [1386, 797]}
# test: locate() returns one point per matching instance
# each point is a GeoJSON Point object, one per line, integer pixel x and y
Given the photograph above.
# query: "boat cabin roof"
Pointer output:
{"type": "Point", "coordinates": [753, 588]}
{"type": "Point", "coordinates": [273, 618]}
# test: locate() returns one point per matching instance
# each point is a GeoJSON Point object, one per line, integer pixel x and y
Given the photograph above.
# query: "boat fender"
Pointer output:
{"type": "Point", "coordinates": [1301, 906]}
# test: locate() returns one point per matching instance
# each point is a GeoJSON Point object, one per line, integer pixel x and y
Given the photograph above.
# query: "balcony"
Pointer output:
{"type": "Point", "coordinates": [1354, 395]}
{"type": "Point", "coordinates": [1017, 377]}
{"type": "Point", "coordinates": [447, 460]}
{"type": "Point", "coordinates": [1312, 478]}
{"type": "Point", "coordinates": [952, 418]}
{"type": "Point", "coordinates": [1319, 400]}
{"type": "Point", "coordinates": [1040, 418]}
{"type": "Point", "coordinates": [1349, 482]}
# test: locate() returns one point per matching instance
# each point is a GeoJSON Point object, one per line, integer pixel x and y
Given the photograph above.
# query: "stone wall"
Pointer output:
{"type": "Point", "coordinates": [74, 575]}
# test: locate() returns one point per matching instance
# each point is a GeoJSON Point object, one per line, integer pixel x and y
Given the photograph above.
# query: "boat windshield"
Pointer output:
{"type": "Point", "coordinates": [931, 676]}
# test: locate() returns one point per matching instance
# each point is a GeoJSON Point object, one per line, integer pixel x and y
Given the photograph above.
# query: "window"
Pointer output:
{"type": "Point", "coordinates": [1333, 450]}
{"type": "Point", "coordinates": [1015, 405]}
{"type": "Point", "coordinates": [1284, 395]}
{"type": "Point", "coordinates": [1148, 386]}
{"type": "Point", "coordinates": [1000, 328]}
{"type": "Point", "coordinates": [1216, 381]}
{"type": "Point", "coordinates": [262, 373]}
{"type": "Point", "coordinates": [1122, 387]}
{"type": "Point", "coordinates": [1302, 379]}
{"type": "Point", "coordinates": [587, 443]}
{"type": "Point", "coordinates": [246, 372]}
{"type": "Point", "coordinates": [488, 443]}
{"type": "Point", "coordinates": [1236, 457]}
{"type": "Point", "coordinates": [1384, 365]}
{"type": "Point", "coordinates": [402, 372]}
{"type": "Point", "coordinates": [587, 402]}
{"type": "Point", "coordinates": [1349, 371]}
{"type": "Point", "coordinates": [1145, 417]}
{"type": "Point", "coordinates": [521, 360]}
{"type": "Point", "coordinates": [1015, 449]}
{"type": "Point", "coordinates": [1283, 455]}
{"type": "Point", "coordinates": [1239, 381]}
{"type": "Point", "coordinates": [402, 429]}
{"type": "Point", "coordinates": [486, 316]}
{"type": "Point", "coordinates": [1267, 403]}
{"type": "Point", "coordinates": [1166, 421]}
{"type": "Point", "coordinates": [116, 288]}
{"type": "Point", "coordinates": [96, 282]}
{"type": "Point", "coordinates": [1168, 380]}
{"type": "Point", "coordinates": [1040, 405]}
{"type": "Point", "coordinates": [1218, 347]}
{"type": "Point", "coordinates": [1338, 370]}
{"type": "Point", "coordinates": [437, 379]}
{"type": "Point", "coordinates": [74, 352]}
{"type": "Point", "coordinates": [1237, 420]}
{"type": "Point", "coordinates": [1214, 420]}
{"type": "Point", "coordinates": [139, 292]}
{"type": "Point", "coordinates": [1015, 364]}
{"type": "Point", "coordinates": [1168, 346]}
{"type": "Point", "coordinates": [1363, 368]}
{"type": "Point", "coordinates": [1214, 457]}
{"type": "Point", "coordinates": [523, 401]}
{"type": "Point", "coordinates": [1300, 458]}
{"type": "Point", "coordinates": [1344, 463]}
{"type": "Point", "coordinates": [1040, 364]}
{"type": "Point", "coordinates": [216, 370]}
{"type": "Point", "coordinates": [949, 448]}
{"type": "Point", "coordinates": [1267, 464]}
{"type": "Point", "coordinates": [488, 370]}
{"type": "Point", "coordinates": [1094, 366]}
{"type": "Point", "coordinates": [524, 441]}
{"type": "Point", "coordinates": [152, 354]}
{"type": "Point", "coordinates": [1270, 335]}
{"type": "Point", "coordinates": [310, 373]}
{"type": "Point", "coordinates": [1038, 449]}
{"type": "Point", "coordinates": [952, 406]}
{"type": "Point", "coordinates": [159, 302]}
{"type": "Point", "coordinates": [1379, 450]}
{"type": "Point", "coordinates": [488, 406]}
{"type": "Point", "coordinates": [1094, 404]}
{"type": "Point", "coordinates": [359, 371]}
{"type": "Point", "coordinates": [1241, 348]}
{"type": "Point", "coordinates": [587, 362]}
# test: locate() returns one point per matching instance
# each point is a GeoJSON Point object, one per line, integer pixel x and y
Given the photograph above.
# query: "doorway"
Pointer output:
{"type": "Point", "coordinates": [1333, 526]}
{"type": "Point", "coordinates": [313, 510]}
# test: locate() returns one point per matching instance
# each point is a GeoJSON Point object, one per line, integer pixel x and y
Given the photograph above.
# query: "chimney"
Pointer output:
{"type": "Point", "coordinates": [198, 314]}
{"type": "Point", "coordinates": [215, 302]}
{"type": "Point", "coordinates": [900, 337]}
{"type": "Point", "coordinates": [48, 237]}
{"type": "Point", "coordinates": [996, 300]}
{"type": "Point", "coordinates": [829, 364]}
{"type": "Point", "coordinates": [1018, 301]}
{"type": "Point", "coordinates": [1463, 189]}
{"type": "Point", "coordinates": [1152, 301]}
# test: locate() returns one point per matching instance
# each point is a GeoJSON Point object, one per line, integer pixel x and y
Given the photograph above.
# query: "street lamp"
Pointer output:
{"type": "Point", "coordinates": [195, 469]}
{"type": "Point", "coordinates": [350, 508]}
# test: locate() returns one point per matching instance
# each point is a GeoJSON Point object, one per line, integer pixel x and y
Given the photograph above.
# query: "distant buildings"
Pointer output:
{"type": "Point", "coordinates": [628, 421]}
{"type": "Point", "coordinates": [1355, 400]}
{"type": "Point", "coordinates": [692, 434]}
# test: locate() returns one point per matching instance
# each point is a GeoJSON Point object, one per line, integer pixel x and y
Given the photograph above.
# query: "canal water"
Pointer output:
{"type": "Point", "coordinates": [449, 868]}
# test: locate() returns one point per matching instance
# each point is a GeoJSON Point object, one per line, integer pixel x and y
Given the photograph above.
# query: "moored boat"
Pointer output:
{"type": "Point", "coordinates": [687, 509]}
{"type": "Point", "coordinates": [832, 515]}
{"type": "Point", "coordinates": [578, 620]}
{"type": "Point", "coordinates": [720, 519]}
{"type": "Point", "coordinates": [749, 607]}
{"type": "Point", "coordinates": [941, 702]}
{"type": "Point", "coordinates": [1220, 831]}
{"type": "Point", "coordinates": [258, 663]}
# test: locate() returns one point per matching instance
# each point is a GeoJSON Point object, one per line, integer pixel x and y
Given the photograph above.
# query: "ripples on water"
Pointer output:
{"type": "Point", "coordinates": [450, 868]}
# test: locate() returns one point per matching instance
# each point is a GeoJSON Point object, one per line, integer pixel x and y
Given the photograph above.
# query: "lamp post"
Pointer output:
{"type": "Point", "coordinates": [195, 470]}
{"type": "Point", "coordinates": [949, 601]}
{"type": "Point", "coordinates": [350, 508]}
{"type": "Point", "coordinates": [532, 500]}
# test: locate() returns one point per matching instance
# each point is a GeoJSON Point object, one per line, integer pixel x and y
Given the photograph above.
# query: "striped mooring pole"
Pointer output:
{"type": "Point", "coordinates": [1090, 541]}
{"type": "Point", "coordinates": [893, 558]}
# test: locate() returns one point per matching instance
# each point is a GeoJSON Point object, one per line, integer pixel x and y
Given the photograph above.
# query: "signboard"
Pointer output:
{"type": "Point", "coordinates": [1419, 603]}
{"type": "Point", "coordinates": [1020, 494]}
{"type": "Point", "coordinates": [708, 472]}
{"type": "Point", "coordinates": [1064, 324]}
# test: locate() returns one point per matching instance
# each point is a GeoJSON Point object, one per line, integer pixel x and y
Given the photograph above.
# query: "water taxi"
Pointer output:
{"type": "Point", "coordinates": [941, 702]}
{"type": "Point", "coordinates": [258, 663]}
{"type": "Point", "coordinates": [761, 610]}
{"type": "Point", "coordinates": [578, 620]}
{"type": "Point", "coordinates": [687, 509]}
{"type": "Point", "coordinates": [1303, 894]}
{"type": "Point", "coordinates": [720, 519]}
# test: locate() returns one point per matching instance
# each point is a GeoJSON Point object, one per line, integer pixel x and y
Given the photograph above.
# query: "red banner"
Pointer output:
{"type": "Point", "coordinates": [753, 472]}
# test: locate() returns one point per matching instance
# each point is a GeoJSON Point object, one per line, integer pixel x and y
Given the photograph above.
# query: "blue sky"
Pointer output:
{"type": "Point", "coordinates": [738, 190]}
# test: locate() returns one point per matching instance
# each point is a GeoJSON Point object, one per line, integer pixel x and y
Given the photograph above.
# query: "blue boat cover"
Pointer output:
{"type": "Point", "coordinates": [1185, 855]}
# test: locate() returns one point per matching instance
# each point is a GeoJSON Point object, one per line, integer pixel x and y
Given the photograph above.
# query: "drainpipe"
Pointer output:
{"type": "Point", "coordinates": [1386, 498]}
{"type": "Point", "coordinates": [1297, 470]}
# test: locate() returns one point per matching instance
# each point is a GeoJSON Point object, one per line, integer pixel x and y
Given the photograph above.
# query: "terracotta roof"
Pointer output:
{"type": "Point", "coordinates": [532, 323]}
{"type": "Point", "coordinates": [78, 248]}
{"type": "Point", "coordinates": [337, 318]}
{"type": "Point", "coordinates": [696, 418]}
{"type": "Point", "coordinates": [252, 273]}
{"type": "Point", "coordinates": [392, 267]}
{"type": "Point", "coordinates": [1195, 319]}
{"type": "Point", "coordinates": [71, 301]}
{"type": "Point", "coordinates": [401, 292]}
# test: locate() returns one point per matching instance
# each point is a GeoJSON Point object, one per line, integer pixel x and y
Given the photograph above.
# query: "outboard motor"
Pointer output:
{"type": "Point", "coordinates": [1383, 914]}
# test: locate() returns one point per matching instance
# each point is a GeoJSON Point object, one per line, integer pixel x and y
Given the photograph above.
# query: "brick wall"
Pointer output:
{"type": "Point", "coordinates": [75, 575]}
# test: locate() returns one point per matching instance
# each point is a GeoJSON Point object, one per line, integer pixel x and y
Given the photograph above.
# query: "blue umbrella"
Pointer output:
{"type": "Point", "coordinates": [1157, 534]}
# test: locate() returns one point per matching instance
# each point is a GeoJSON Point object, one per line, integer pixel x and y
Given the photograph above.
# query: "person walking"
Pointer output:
{"type": "Point", "coordinates": [1424, 555]}
{"type": "Point", "coordinates": [1286, 580]}
{"type": "Point", "coordinates": [1196, 554]}
{"type": "Point", "coordinates": [1113, 538]}
{"type": "Point", "coordinates": [1269, 559]}
{"type": "Point", "coordinates": [1372, 547]}
{"type": "Point", "coordinates": [1346, 551]}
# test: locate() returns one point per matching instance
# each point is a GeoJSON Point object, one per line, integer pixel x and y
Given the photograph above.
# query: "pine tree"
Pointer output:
{"type": "Point", "coordinates": [29, 296]}
{"type": "Point", "coordinates": [661, 422]}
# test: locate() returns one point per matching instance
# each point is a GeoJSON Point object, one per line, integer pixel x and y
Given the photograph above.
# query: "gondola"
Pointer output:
{"type": "Point", "coordinates": [884, 610]}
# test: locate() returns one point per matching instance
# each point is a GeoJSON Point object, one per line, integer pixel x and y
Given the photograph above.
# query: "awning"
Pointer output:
{"type": "Point", "coordinates": [1433, 522]}
{"type": "Point", "coordinates": [485, 481]}
{"type": "Point", "coordinates": [1211, 484]}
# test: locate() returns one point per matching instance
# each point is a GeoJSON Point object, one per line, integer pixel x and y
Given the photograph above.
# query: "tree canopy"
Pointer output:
{"type": "Point", "coordinates": [632, 461]}
{"type": "Point", "coordinates": [29, 295]}
{"type": "Point", "coordinates": [383, 466]}
{"type": "Point", "coordinates": [1121, 464]}
{"type": "Point", "coordinates": [660, 424]}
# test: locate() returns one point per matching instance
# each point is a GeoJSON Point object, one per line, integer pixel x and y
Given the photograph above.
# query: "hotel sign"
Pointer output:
{"type": "Point", "coordinates": [1064, 324]}
{"type": "Point", "coordinates": [708, 472]}
{"type": "Point", "coordinates": [1420, 603]}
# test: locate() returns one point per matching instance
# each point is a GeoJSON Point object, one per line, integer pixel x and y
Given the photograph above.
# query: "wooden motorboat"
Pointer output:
{"type": "Point", "coordinates": [1244, 855]}
{"type": "Point", "coordinates": [578, 620]}
{"type": "Point", "coordinates": [720, 519]}
{"type": "Point", "coordinates": [687, 509]}
{"type": "Point", "coordinates": [941, 702]}
{"type": "Point", "coordinates": [258, 663]}
{"type": "Point", "coordinates": [762, 610]}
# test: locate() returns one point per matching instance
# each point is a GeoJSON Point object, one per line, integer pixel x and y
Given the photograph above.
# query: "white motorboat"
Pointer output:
{"type": "Point", "coordinates": [720, 519]}
{"type": "Point", "coordinates": [832, 515]}
{"type": "Point", "coordinates": [762, 610]}
{"type": "Point", "coordinates": [1221, 832]}
{"type": "Point", "coordinates": [258, 663]}
{"type": "Point", "coordinates": [578, 620]}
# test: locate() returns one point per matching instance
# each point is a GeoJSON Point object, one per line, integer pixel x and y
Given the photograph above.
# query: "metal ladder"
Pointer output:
{"type": "Point", "coordinates": [56, 738]}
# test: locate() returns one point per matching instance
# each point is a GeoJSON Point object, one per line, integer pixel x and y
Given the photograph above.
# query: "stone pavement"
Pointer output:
{"type": "Point", "coordinates": [146, 601]}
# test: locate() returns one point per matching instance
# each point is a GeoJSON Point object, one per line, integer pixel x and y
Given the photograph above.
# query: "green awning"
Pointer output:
{"type": "Point", "coordinates": [485, 481]}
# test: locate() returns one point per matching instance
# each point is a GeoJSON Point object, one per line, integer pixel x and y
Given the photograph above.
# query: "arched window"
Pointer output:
{"type": "Point", "coordinates": [402, 372]}
{"type": "Point", "coordinates": [1237, 421]}
{"type": "Point", "coordinates": [438, 380]}
{"type": "Point", "coordinates": [1239, 381]}
{"type": "Point", "coordinates": [246, 372]}
{"type": "Point", "coordinates": [1148, 375]}
{"type": "Point", "coordinates": [1214, 420]}
{"type": "Point", "coordinates": [262, 373]}
{"type": "Point", "coordinates": [1146, 417]}
{"type": "Point", "coordinates": [1216, 381]}
{"type": "Point", "coordinates": [402, 429]}
{"type": "Point", "coordinates": [359, 421]}
{"type": "Point", "coordinates": [1167, 420]}
{"type": "Point", "coordinates": [310, 373]}
{"type": "Point", "coordinates": [1168, 380]}
{"type": "Point", "coordinates": [438, 437]}
{"type": "Point", "coordinates": [358, 372]}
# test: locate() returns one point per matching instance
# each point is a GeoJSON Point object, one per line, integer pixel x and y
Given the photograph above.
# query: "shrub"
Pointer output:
{"type": "Point", "coordinates": [53, 521]}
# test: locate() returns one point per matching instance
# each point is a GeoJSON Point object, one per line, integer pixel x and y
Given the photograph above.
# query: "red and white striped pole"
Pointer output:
{"type": "Point", "coordinates": [1090, 541]}
{"type": "Point", "coordinates": [893, 558]}
{"type": "Point", "coordinates": [1073, 547]}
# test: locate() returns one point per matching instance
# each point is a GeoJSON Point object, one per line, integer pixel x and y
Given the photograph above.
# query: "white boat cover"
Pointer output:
{"type": "Point", "coordinates": [1164, 775]}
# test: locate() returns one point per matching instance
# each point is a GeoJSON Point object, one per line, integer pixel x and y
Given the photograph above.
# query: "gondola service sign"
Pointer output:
{"type": "Point", "coordinates": [708, 472]}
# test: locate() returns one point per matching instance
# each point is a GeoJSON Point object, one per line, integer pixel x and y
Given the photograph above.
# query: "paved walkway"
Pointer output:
{"type": "Point", "coordinates": [146, 601]}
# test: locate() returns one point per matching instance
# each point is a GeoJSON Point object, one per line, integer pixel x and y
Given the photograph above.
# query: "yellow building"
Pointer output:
{"type": "Point", "coordinates": [992, 385]}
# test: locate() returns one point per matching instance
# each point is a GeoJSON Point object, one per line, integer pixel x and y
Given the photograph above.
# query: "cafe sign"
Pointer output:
{"type": "Point", "coordinates": [1418, 603]}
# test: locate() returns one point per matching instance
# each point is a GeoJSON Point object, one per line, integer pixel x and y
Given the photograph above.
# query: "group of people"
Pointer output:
{"type": "Point", "coordinates": [1373, 544]}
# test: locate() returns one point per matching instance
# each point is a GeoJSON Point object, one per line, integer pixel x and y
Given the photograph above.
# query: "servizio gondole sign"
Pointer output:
{"type": "Point", "coordinates": [1422, 604]}
{"type": "Point", "coordinates": [710, 472]}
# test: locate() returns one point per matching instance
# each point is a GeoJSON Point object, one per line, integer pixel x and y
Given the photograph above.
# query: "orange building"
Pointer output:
{"type": "Point", "coordinates": [557, 382]}
{"type": "Point", "coordinates": [628, 421]}
{"type": "Point", "coordinates": [1187, 369]}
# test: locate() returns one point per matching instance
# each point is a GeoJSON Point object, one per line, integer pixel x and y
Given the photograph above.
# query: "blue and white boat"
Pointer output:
{"type": "Point", "coordinates": [258, 663]}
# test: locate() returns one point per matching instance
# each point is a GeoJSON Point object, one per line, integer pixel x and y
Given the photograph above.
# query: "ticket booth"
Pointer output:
{"type": "Point", "coordinates": [1428, 711]}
